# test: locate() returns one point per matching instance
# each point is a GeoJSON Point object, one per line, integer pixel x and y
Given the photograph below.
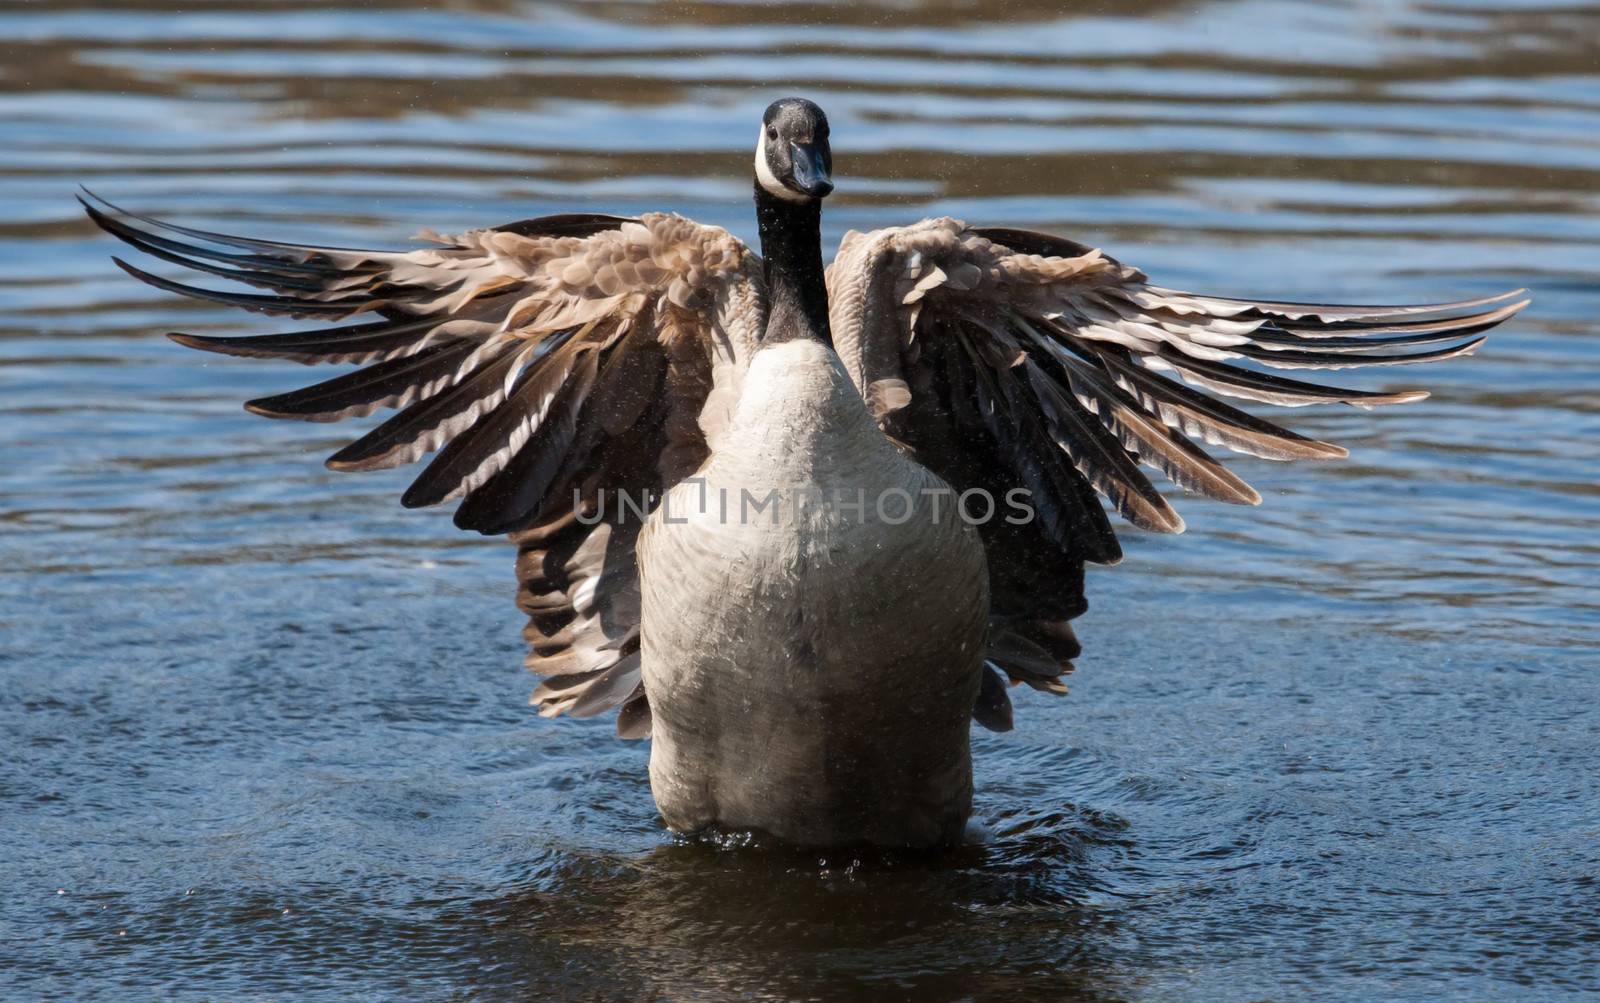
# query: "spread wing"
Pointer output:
{"type": "Point", "coordinates": [1010, 359]}
{"type": "Point", "coordinates": [546, 365]}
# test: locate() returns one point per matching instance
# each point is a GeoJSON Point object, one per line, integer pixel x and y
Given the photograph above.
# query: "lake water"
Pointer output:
{"type": "Point", "coordinates": [265, 734]}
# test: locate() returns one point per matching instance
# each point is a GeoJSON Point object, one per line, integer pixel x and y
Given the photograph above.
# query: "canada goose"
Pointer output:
{"type": "Point", "coordinates": [623, 395]}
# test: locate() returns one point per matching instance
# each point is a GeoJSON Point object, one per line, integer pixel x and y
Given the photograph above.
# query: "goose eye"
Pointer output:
{"type": "Point", "coordinates": [772, 134]}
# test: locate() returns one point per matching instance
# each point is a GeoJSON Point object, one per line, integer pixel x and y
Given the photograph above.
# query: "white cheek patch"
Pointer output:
{"type": "Point", "coordinates": [765, 176]}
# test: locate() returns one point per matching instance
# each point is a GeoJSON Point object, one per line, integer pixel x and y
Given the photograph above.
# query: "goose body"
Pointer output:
{"type": "Point", "coordinates": [826, 695]}
{"type": "Point", "coordinates": [733, 479]}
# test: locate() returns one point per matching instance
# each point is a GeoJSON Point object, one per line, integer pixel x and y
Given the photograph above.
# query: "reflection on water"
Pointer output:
{"type": "Point", "coordinates": [265, 733]}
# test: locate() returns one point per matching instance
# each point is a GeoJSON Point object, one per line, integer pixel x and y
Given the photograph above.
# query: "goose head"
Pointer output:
{"type": "Point", "coordinates": [793, 161]}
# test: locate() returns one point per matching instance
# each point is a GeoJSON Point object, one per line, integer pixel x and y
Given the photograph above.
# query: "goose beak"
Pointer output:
{"type": "Point", "coordinates": [810, 169]}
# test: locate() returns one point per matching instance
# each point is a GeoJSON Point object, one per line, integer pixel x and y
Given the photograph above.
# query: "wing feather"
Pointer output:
{"type": "Point", "coordinates": [438, 419]}
{"type": "Point", "coordinates": [541, 362]}
{"type": "Point", "coordinates": [392, 383]}
{"type": "Point", "coordinates": [1098, 456]}
{"type": "Point", "coordinates": [1069, 370]}
{"type": "Point", "coordinates": [549, 401]}
{"type": "Point", "coordinates": [358, 343]}
{"type": "Point", "coordinates": [288, 305]}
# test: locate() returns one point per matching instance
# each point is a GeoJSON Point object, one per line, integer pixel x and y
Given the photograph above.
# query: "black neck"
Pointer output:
{"type": "Point", "coordinates": [791, 248]}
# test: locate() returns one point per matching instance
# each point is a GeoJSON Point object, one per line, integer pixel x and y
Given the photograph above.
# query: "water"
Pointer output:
{"type": "Point", "coordinates": [264, 733]}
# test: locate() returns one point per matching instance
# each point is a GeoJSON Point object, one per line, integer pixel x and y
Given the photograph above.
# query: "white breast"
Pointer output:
{"type": "Point", "coordinates": [811, 667]}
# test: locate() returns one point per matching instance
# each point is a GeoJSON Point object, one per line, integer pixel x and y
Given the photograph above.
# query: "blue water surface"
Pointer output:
{"type": "Point", "coordinates": [265, 734]}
